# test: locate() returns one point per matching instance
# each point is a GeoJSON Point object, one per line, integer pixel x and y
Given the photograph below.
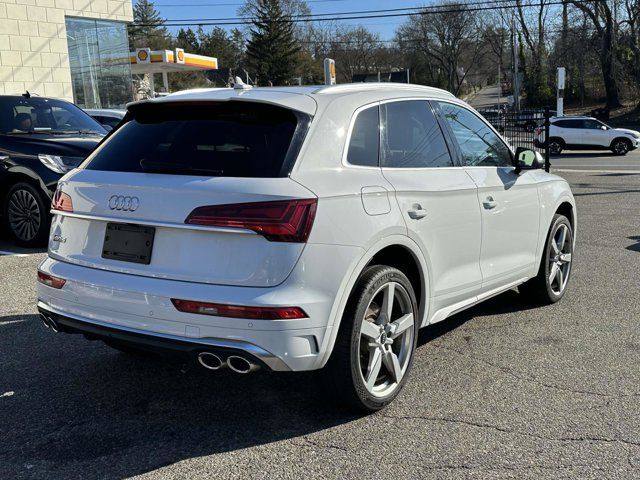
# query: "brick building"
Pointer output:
{"type": "Point", "coordinates": [72, 49]}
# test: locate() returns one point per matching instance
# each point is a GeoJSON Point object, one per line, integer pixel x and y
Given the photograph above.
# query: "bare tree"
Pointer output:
{"type": "Point", "coordinates": [603, 20]}
{"type": "Point", "coordinates": [448, 40]}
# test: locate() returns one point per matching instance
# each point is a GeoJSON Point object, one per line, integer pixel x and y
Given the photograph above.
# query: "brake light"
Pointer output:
{"type": "Point", "coordinates": [61, 201]}
{"type": "Point", "coordinates": [239, 311]}
{"type": "Point", "coordinates": [50, 280]}
{"type": "Point", "coordinates": [279, 221]}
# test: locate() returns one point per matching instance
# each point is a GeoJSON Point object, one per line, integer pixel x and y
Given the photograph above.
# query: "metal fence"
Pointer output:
{"type": "Point", "coordinates": [521, 129]}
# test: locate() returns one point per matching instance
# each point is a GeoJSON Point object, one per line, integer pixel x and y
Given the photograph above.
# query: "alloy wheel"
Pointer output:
{"type": "Point", "coordinates": [621, 147]}
{"type": "Point", "coordinates": [560, 259]}
{"type": "Point", "coordinates": [555, 148]}
{"type": "Point", "coordinates": [386, 339]}
{"type": "Point", "coordinates": [24, 215]}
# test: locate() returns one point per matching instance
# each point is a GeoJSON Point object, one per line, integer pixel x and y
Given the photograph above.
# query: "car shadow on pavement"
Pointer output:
{"type": "Point", "coordinates": [73, 404]}
{"type": "Point", "coordinates": [634, 247]}
{"type": "Point", "coordinates": [507, 302]}
{"type": "Point", "coordinates": [77, 406]}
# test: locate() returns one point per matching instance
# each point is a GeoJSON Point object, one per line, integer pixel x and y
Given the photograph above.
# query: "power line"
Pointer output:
{"type": "Point", "coordinates": [227, 4]}
{"type": "Point", "coordinates": [571, 31]}
{"type": "Point", "coordinates": [361, 15]}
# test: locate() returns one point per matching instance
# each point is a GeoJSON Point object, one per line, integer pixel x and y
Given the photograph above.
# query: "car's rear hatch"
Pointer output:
{"type": "Point", "coordinates": [148, 200]}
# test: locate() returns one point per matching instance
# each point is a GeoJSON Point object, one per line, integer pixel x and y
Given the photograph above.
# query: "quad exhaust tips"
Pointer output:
{"type": "Point", "coordinates": [241, 365]}
{"type": "Point", "coordinates": [210, 361]}
{"type": "Point", "coordinates": [236, 363]}
{"type": "Point", "coordinates": [50, 323]}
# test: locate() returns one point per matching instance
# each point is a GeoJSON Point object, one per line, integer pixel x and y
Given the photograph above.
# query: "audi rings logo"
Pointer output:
{"type": "Point", "coordinates": [124, 204]}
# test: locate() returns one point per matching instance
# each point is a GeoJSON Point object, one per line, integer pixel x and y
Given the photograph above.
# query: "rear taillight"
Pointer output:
{"type": "Point", "coordinates": [279, 221]}
{"type": "Point", "coordinates": [50, 280]}
{"type": "Point", "coordinates": [239, 311]}
{"type": "Point", "coordinates": [61, 201]}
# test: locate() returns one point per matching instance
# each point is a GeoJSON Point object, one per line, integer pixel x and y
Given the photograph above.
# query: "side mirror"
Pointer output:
{"type": "Point", "coordinates": [527, 159]}
{"type": "Point", "coordinates": [603, 127]}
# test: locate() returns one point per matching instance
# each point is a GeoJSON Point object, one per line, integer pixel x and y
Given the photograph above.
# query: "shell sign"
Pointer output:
{"type": "Point", "coordinates": [179, 55]}
{"type": "Point", "coordinates": [143, 55]}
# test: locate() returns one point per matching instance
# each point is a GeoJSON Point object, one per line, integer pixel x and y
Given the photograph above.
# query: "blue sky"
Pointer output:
{"type": "Point", "coordinates": [176, 9]}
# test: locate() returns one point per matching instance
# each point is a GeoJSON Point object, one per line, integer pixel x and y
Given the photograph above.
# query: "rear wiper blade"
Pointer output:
{"type": "Point", "coordinates": [151, 166]}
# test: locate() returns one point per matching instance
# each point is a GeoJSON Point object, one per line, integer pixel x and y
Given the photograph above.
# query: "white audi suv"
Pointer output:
{"type": "Point", "coordinates": [300, 228]}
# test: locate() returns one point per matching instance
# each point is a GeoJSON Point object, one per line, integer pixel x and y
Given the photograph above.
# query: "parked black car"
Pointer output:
{"type": "Point", "coordinates": [40, 140]}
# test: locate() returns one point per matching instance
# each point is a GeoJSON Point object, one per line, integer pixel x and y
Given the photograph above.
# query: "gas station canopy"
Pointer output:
{"type": "Point", "coordinates": [146, 61]}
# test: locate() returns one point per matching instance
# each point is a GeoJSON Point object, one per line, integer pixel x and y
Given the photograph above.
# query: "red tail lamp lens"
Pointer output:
{"type": "Point", "coordinates": [62, 201]}
{"type": "Point", "coordinates": [239, 311]}
{"type": "Point", "coordinates": [280, 221]}
{"type": "Point", "coordinates": [50, 280]}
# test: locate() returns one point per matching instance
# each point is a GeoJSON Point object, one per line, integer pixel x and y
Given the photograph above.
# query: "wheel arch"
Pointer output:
{"type": "Point", "coordinates": [567, 209]}
{"type": "Point", "coordinates": [624, 139]}
{"type": "Point", "coordinates": [400, 251]}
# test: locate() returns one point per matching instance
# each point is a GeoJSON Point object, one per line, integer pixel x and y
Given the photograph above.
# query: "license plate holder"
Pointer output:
{"type": "Point", "coordinates": [128, 243]}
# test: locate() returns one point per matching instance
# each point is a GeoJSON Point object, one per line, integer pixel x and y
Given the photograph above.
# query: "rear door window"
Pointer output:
{"type": "Point", "coordinates": [411, 136]}
{"type": "Point", "coordinates": [227, 139]}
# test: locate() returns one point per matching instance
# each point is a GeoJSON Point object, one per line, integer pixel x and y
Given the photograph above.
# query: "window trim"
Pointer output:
{"type": "Point", "coordinates": [479, 117]}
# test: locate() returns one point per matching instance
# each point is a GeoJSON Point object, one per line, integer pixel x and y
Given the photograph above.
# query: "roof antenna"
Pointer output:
{"type": "Point", "coordinates": [26, 94]}
{"type": "Point", "coordinates": [238, 84]}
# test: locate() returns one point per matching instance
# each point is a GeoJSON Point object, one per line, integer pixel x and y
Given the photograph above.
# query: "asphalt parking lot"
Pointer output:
{"type": "Point", "coordinates": [500, 391]}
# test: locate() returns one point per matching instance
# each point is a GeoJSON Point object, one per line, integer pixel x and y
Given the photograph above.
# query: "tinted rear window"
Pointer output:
{"type": "Point", "coordinates": [229, 139]}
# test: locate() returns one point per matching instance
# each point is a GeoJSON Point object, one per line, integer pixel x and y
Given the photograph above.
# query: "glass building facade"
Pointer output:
{"type": "Point", "coordinates": [99, 59]}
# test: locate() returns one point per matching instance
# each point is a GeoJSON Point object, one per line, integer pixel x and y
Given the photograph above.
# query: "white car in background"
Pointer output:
{"type": "Point", "coordinates": [300, 228]}
{"type": "Point", "coordinates": [106, 117]}
{"type": "Point", "coordinates": [587, 133]}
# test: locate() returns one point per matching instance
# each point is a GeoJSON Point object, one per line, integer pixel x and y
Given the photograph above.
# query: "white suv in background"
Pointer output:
{"type": "Point", "coordinates": [300, 228]}
{"type": "Point", "coordinates": [586, 133]}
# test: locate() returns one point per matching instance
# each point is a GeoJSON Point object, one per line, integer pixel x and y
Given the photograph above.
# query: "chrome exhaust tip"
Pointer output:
{"type": "Point", "coordinates": [210, 361]}
{"type": "Point", "coordinates": [49, 322]}
{"type": "Point", "coordinates": [241, 365]}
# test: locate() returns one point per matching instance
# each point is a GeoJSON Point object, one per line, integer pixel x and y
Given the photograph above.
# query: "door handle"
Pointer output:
{"type": "Point", "coordinates": [417, 212]}
{"type": "Point", "coordinates": [489, 203]}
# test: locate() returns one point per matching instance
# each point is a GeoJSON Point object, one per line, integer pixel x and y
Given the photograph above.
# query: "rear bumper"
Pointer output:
{"type": "Point", "coordinates": [161, 343]}
{"type": "Point", "coordinates": [114, 305]}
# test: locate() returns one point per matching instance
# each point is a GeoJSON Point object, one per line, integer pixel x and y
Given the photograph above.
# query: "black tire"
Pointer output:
{"type": "Point", "coordinates": [343, 371]}
{"type": "Point", "coordinates": [540, 290]}
{"type": "Point", "coordinates": [556, 145]}
{"type": "Point", "coordinates": [620, 146]}
{"type": "Point", "coordinates": [26, 215]}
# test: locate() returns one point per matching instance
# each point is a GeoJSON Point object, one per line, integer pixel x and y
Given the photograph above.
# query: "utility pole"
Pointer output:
{"type": "Point", "coordinates": [516, 74]}
{"type": "Point", "coordinates": [499, 85]}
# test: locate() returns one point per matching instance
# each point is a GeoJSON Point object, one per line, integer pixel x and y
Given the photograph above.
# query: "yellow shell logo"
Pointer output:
{"type": "Point", "coordinates": [142, 55]}
{"type": "Point", "coordinates": [181, 56]}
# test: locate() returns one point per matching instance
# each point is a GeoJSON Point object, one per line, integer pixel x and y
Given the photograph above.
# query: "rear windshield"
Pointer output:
{"type": "Point", "coordinates": [228, 139]}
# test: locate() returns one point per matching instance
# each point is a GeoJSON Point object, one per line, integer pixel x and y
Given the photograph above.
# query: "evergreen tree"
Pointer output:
{"type": "Point", "coordinates": [148, 28]}
{"type": "Point", "coordinates": [187, 40]}
{"type": "Point", "coordinates": [272, 50]}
